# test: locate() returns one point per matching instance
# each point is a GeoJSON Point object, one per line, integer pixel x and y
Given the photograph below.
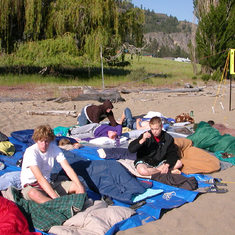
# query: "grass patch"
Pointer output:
{"type": "Point", "coordinates": [144, 70]}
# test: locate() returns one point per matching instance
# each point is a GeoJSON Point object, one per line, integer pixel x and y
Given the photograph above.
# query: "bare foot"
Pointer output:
{"type": "Point", "coordinates": [176, 171]}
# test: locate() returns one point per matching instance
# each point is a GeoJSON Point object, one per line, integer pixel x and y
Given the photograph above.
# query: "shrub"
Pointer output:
{"type": "Point", "coordinates": [140, 74]}
{"type": "Point", "coordinates": [206, 77]}
{"type": "Point", "coordinates": [216, 76]}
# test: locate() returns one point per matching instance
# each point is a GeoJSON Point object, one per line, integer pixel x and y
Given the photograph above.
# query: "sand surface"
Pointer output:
{"type": "Point", "coordinates": [209, 213]}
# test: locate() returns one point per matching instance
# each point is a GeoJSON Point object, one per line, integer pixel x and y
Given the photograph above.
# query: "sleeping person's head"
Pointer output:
{"type": "Point", "coordinates": [112, 134]}
{"type": "Point", "coordinates": [211, 122]}
{"type": "Point", "coordinates": [64, 141]}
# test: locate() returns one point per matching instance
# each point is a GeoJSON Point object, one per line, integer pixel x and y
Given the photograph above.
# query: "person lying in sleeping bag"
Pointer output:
{"type": "Point", "coordinates": [222, 128]}
{"type": "Point", "coordinates": [133, 123]}
{"type": "Point", "coordinates": [95, 130]}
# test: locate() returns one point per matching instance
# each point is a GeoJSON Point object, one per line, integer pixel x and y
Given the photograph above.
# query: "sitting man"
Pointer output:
{"type": "Point", "coordinates": [222, 128]}
{"type": "Point", "coordinates": [156, 151]}
{"type": "Point", "coordinates": [38, 162]}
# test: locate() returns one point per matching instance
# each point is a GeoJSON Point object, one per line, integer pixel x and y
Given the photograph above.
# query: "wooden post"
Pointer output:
{"type": "Point", "coordinates": [102, 69]}
{"type": "Point", "coordinates": [230, 93]}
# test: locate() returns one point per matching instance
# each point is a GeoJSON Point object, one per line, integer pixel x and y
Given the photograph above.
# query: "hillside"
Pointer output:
{"type": "Point", "coordinates": [171, 40]}
{"type": "Point", "coordinates": [167, 37]}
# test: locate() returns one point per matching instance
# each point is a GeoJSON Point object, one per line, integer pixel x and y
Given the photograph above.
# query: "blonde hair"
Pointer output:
{"type": "Point", "coordinates": [43, 132]}
{"type": "Point", "coordinates": [64, 141]}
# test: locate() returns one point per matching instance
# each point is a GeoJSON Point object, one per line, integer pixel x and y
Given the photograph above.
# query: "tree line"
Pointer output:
{"type": "Point", "coordinates": [91, 22]}
{"type": "Point", "coordinates": [80, 27]}
{"type": "Point", "coordinates": [215, 32]}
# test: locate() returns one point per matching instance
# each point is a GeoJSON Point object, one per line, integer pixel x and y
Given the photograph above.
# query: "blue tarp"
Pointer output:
{"type": "Point", "coordinates": [170, 198]}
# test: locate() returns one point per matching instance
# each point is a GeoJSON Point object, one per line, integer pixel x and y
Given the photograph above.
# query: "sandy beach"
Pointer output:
{"type": "Point", "coordinates": [210, 213]}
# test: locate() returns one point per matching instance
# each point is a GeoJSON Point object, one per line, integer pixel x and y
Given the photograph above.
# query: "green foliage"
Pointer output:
{"type": "Point", "coordinates": [162, 23]}
{"type": "Point", "coordinates": [164, 51]}
{"type": "Point", "coordinates": [206, 77]}
{"type": "Point", "coordinates": [138, 74]}
{"type": "Point", "coordinates": [159, 72]}
{"type": "Point", "coordinates": [216, 76]}
{"type": "Point", "coordinates": [194, 78]}
{"type": "Point", "coordinates": [215, 33]}
{"type": "Point", "coordinates": [93, 23]}
{"type": "Point", "coordinates": [57, 52]}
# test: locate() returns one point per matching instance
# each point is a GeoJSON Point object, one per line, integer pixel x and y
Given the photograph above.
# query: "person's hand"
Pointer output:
{"type": "Point", "coordinates": [165, 168]}
{"type": "Point", "coordinates": [146, 135]}
{"type": "Point", "coordinates": [77, 145]}
{"type": "Point", "coordinates": [138, 120]}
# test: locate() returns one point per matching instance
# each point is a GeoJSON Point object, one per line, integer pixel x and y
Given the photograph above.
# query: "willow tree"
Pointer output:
{"type": "Point", "coordinates": [11, 23]}
{"type": "Point", "coordinates": [215, 32]}
{"type": "Point", "coordinates": [93, 22]}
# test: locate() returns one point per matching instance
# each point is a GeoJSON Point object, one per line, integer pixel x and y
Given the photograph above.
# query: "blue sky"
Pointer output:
{"type": "Point", "coordinates": [181, 9]}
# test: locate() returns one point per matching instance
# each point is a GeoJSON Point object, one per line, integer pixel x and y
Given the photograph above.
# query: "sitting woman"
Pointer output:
{"type": "Point", "coordinates": [95, 130]}
{"type": "Point", "coordinates": [129, 121]}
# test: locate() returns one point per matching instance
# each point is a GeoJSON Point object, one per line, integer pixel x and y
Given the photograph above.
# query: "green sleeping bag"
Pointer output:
{"type": "Point", "coordinates": [209, 138]}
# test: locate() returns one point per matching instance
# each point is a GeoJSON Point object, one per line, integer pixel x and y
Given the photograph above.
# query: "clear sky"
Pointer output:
{"type": "Point", "coordinates": [181, 9]}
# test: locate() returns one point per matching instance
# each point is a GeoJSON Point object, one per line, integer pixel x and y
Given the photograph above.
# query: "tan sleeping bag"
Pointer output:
{"type": "Point", "coordinates": [195, 160]}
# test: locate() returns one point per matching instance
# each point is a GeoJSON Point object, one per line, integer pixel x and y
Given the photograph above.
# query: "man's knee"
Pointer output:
{"type": "Point", "coordinates": [142, 170]}
{"type": "Point", "coordinates": [33, 193]}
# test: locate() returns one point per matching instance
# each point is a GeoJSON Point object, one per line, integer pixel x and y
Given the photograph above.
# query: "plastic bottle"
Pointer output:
{"type": "Point", "coordinates": [117, 143]}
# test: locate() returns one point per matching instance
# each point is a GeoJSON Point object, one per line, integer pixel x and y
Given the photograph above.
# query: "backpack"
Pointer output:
{"type": "Point", "coordinates": [184, 117]}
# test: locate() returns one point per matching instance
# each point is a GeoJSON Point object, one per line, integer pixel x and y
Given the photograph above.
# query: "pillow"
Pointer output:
{"type": "Point", "coordinates": [102, 141]}
{"type": "Point", "coordinates": [106, 141]}
{"type": "Point", "coordinates": [151, 114]}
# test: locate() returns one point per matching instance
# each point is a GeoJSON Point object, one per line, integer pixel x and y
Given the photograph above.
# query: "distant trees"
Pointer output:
{"type": "Point", "coordinates": [92, 22]}
{"type": "Point", "coordinates": [215, 32]}
{"type": "Point", "coordinates": [161, 23]}
{"type": "Point", "coordinates": [164, 50]}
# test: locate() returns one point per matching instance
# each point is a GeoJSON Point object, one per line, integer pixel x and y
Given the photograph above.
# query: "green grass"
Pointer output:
{"type": "Point", "coordinates": [141, 71]}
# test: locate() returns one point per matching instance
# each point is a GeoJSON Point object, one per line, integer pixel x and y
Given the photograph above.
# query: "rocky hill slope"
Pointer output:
{"type": "Point", "coordinates": [171, 40]}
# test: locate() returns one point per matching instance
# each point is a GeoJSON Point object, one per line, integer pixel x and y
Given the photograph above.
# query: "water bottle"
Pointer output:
{"type": "Point", "coordinates": [117, 143]}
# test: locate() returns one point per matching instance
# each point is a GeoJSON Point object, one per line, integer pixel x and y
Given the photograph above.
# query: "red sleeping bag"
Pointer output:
{"type": "Point", "coordinates": [12, 220]}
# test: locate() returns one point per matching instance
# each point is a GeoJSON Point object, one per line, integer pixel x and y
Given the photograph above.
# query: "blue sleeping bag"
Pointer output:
{"type": "Point", "coordinates": [107, 178]}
